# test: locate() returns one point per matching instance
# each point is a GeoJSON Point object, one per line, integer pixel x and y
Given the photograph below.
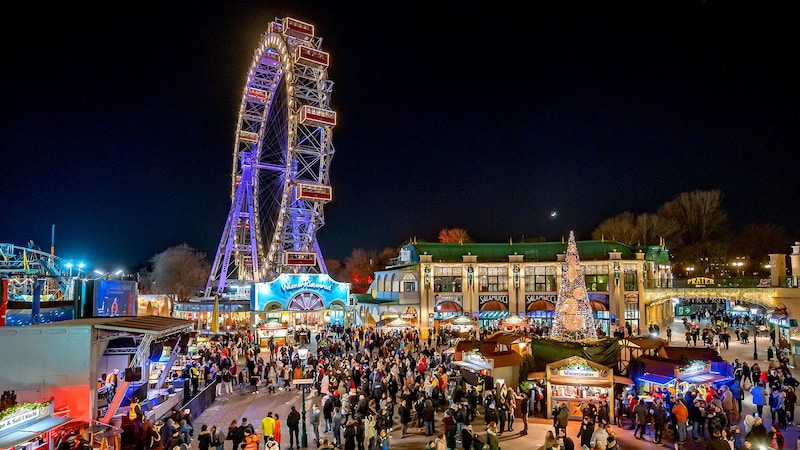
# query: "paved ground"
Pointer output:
{"type": "Point", "coordinates": [256, 406]}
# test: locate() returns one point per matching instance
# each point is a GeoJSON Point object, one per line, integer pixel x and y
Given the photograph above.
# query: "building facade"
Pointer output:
{"type": "Point", "coordinates": [491, 283]}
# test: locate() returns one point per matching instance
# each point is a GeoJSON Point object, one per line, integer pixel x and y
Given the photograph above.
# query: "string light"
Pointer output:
{"type": "Point", "coordinates": [573, 316]}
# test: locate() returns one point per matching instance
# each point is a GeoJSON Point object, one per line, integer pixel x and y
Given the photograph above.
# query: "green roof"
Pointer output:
{"type": "Point", "coordinates": [369, 299]}
{"type": "Point", "coordinates": [532, 251]}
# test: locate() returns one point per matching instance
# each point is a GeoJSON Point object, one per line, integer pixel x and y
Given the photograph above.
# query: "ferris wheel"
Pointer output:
{"type": "Point", "coordinates": [281, 159]}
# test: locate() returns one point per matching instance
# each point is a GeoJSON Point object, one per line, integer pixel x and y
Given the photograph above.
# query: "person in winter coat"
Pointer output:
{"type": "Point", "coordinates": [586, 431]}
{"type": "Point", "coordinates": [757, 393]}
{"type": "Point", "coordinates": [640, 410]}
{"type": "Point", "coordinates": [467, 437]}
{"type": "Point", "coordinates": [315, 421]}
{"type": "Point", "coordinates": [428, 417]}
{"type": "Point", "coordinates": [681, 414]}
{"type": "Point", "coordinates": [204, 438]}
{"type": "Point", "coordinates": [294, 427]}
{"type": "Point", "coordinates": [186, 431]}
{"type": "Point", "coordinates": [405, 417]}
{"type": "Point", "coordinates": [450, 437]}
{"type": "Point", "coordinates": [563, 418]}
{"type": "Point", "coordinates": [350, 435]}
{"type": "Point", "coordinates": [659, 419]}
{"type": "Point", "coordinates": [234, 435]}
{"type": "Point", "coordinates": [176, 442]}
{"type": "Point", "coordinates": [491, 437]}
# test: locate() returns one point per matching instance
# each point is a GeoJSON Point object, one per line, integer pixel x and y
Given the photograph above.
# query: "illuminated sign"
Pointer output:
{"type": "Point", "coordinates": [578, 369]}
{"type": "Point", "coordinates": [530, 298]}
{"type": "Point", "coordinates": [26, 413]}
{"type": "Point", "coordinates": [287, 287]}
{"type": "Point", "coordinates": [701, 281]}
{"type": "Point", "coordinates": [693, 368]}
{"type": "Point", "coordinates": [486, 298]}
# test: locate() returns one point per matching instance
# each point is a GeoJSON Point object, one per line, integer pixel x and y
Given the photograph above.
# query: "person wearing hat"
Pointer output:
{"type": "Point", "coordinates": [491, 436]}
{"type": "Point", "coordinates": [250, 439]}
{"type": "Point", "coordinates": [612, 443]}
{"type": "Point", "coordinates": [467, 436]}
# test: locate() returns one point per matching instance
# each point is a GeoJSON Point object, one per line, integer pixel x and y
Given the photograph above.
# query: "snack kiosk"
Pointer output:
{"type": "Point", "coordinates": [576, 381]}
{"type": "Point", "coordinates": [30, 426]}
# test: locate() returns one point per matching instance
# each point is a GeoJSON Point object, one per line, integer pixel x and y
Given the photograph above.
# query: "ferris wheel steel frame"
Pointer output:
{"type": "Point", "coordinates": [280, 178]}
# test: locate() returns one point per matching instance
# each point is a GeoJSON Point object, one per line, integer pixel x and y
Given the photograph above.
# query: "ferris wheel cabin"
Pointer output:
{"type": "Point", "coordinates": [310, 115]}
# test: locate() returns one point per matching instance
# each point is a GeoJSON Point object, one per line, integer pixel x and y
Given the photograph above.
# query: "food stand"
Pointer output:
{"type": "Point", "coordinates": [575, 381]}
{"type": "Point", "coordinates": [30, 426]}
{"type": "Point", "coordinates": [697, 373]}
{"type": "Point", "coordinates": [273, 329]}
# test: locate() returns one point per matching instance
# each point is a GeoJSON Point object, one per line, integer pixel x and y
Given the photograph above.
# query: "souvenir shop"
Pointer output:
{"type": "Point", "coordinates": [701, 373]}
{"type": "Point", "coordinates": [577, 381]}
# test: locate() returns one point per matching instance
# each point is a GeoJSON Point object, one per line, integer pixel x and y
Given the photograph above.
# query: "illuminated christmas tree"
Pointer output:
{"type": "Point", "coordinates": [573, 318]}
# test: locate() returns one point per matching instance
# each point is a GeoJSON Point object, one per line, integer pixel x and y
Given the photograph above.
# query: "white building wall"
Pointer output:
{"type": "Point", "coordinates": [41, 362]}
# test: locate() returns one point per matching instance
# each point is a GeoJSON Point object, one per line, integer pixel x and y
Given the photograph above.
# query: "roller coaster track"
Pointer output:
{"type": "Point", "coordinates": [23, 266]}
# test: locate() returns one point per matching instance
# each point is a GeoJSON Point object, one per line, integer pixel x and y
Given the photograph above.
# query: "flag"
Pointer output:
{"type": "Point", "coordinates": [215, 316]}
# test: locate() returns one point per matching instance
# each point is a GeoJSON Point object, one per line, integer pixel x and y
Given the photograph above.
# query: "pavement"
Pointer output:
{"type": "Point", "coordinates": [255, 406]}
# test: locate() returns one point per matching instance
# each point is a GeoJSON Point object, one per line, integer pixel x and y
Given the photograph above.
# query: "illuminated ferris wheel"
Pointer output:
{"type": "Point", "coordinates": [281, 161]}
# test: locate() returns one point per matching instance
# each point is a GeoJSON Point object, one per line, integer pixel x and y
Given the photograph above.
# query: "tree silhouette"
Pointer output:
{"type": "Point", "coordinates": [454, 236]}
{"type": "Point", "coordinates": [179, 272]}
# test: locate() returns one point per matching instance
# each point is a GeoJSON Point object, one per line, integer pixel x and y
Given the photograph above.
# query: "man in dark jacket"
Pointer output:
{"type": "Point", "coordinates": [563, 419]}
{"type": "Point", "coordinates": [586, 431]}
{"type": "Point", "coordinates": [659, 419]}
{"type": "Point", "coordinates": [293, 422]}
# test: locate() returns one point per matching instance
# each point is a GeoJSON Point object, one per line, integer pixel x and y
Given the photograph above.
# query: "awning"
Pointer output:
{"type": "Point", "coordinates": [704, 378]}
{"type": "Point", "coordinates": [31, 430]}
{"type": "Point", "coordinates": [654, 378]}
{"type": "Point", "coordinates": [448, 306]}
{"type": "Point", "coordinates": [598, 306]}
{"type": "Point", "coordinates": [541, 305]}
{"type": "Point", "coordinates": [623, 380]}
{"type": "Point", "coordinates": [492, 315]}
{"type": "Point", "coordinates": [470, 365]}
{"type": "Point", "coordinates": [472, 377]}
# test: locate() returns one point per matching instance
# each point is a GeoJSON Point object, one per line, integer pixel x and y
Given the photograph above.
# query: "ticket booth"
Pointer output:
{"type": "Point", "coordinates": [577, 381]}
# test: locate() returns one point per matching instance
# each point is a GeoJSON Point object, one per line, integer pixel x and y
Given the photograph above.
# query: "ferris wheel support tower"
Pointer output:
{"type": "Point", "coordinates": [281, 161]}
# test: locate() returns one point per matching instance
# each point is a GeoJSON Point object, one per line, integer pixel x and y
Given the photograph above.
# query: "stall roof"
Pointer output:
{"type": "Point", "coordinates": [507, 338]}
{"type": "Point", "coordinates": [646, 342]}
{"type": "Point", "coordinates": [654, 378]}
{"type": "Point", "coordinates": [155, 325]}
{"type": "Point", "coordinates": [704, 378]}
{"type": "Point", "coordinates": [31, 430]}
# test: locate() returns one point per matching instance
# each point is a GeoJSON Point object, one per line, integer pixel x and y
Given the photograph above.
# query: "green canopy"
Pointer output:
{"type": "Point", "coordinates": [545, 351]}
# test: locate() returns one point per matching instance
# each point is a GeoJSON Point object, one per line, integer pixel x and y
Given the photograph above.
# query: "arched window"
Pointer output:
{"type": "Point", "coordinates": [409, 283]}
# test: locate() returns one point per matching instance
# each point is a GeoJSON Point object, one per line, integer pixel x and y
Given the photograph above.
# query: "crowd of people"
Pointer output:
{"type": "Point", "coordinates": [369, 387]}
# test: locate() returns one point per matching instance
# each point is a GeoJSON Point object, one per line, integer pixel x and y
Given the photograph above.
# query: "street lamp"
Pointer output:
{"type": "Point", "coordinates": [301, 383]}
{"type": "Point", "coordinates": [755, 336]}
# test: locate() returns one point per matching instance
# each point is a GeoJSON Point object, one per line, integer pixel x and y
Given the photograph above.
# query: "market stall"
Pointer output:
{"type": "Point", "coordinates": [30, 426]}
{"type": "Point", "coordinates": [576, 381]}
{"type": "Point", "coordinates": [698, 373]}
{"type": "Point", "coordinates": [272, 329]}
{"type": "Point", "coordinates": [474, 367]}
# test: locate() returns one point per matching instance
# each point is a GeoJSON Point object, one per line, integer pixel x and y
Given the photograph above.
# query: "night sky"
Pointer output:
{"type": "Point", "coordinates": [118, 126]}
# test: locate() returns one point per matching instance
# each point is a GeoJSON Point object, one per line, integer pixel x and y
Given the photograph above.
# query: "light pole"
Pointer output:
{"type": "Point", "coordinates": [755, 336]}
{"type": "Point", "coordinates": [301, 384]}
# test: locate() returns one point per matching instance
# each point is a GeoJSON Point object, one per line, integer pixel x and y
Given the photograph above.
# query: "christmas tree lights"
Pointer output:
{"type": "Point", "coordinates": [573, 316]}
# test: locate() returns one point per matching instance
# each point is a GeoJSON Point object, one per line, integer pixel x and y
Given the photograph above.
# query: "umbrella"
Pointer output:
{"type": "Point", "coordinates": [215, 315]}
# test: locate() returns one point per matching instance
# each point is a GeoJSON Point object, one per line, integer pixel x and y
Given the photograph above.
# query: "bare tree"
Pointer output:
{"type": "Point", "coordinates": [179, 272]}
{"type": "Point", "coordinates": [621, 227]}
{"type": "Point", "coordinates": [454, 236]}
{"type": "Point", "coordinates": [650, 228]}
{"type": "Point", "coordinates": [702, 232]}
